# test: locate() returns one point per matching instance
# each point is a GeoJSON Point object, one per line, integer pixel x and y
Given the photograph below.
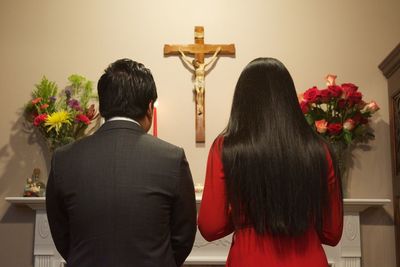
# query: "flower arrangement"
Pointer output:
{"type": "Point", "coordinates": [61, 118]}
{"type": "Point", "coordinates": [338, 113]}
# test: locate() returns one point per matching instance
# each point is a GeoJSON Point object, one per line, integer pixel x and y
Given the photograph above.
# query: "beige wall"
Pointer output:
{"type": "Point", "coordinates": [313, 38]}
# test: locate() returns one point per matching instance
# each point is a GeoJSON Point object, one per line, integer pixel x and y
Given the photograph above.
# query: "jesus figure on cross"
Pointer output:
{"type": "Point", "coordinates": [199, 68]}
{"type": "Point", "coordinates": [200, 73]}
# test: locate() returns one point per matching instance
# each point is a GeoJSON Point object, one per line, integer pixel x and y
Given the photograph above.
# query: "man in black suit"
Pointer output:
{"type": "Point", "coordinates": [121, 197]}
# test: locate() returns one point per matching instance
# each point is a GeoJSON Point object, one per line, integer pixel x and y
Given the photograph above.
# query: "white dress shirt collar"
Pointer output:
{"type": "Point", "coordinates": [123, 119]}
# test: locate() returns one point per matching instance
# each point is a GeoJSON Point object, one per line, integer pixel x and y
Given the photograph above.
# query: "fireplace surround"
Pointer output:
{"type": "Point", "coordinates": [346, 254]}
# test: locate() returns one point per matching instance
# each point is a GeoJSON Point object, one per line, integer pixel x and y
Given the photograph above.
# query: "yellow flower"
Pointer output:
{"type": "Point", "coordinates": [57, 119]}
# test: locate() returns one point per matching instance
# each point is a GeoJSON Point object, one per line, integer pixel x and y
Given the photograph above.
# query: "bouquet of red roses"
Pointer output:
{"type": "Point", "coordinates": [338, 112]}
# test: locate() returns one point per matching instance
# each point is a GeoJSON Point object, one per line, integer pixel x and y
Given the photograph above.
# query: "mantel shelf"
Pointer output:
{"type": "Point", "coordinates": [346, 253]}
{"type": "Point", "coordinates": [350, 204]}
{"type": "Point", "coordinates": [35, 203]}
{"type": "Point", "coordinates": [361, 204]}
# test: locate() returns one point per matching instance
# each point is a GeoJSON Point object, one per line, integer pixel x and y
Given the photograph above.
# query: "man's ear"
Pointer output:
{"type": "Point", "coordinates": [149, 112]}
{"type": "Point", "coordinates": [146, 121]}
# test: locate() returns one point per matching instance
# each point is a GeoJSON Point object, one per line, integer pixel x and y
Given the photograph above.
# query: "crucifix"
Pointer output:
{"type": "Point", "coordinates": [199, 49]}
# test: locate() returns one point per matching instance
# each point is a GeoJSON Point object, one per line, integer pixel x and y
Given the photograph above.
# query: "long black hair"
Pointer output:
{"type": "Point", "coordinates": [275, 164]}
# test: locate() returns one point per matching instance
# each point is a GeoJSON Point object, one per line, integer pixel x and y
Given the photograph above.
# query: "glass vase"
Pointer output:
{"type": "Point", "coordinates": [342, 154]}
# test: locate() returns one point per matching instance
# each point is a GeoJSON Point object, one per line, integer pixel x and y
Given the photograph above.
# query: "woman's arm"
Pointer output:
{"type": "Point", "coordinates": [214, 221]}
{"type": "Point", "coordinates": [333, 214]}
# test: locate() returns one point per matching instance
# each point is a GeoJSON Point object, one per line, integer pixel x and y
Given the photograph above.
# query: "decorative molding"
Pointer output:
{"type": "Point", "coordinates": [350, 204]}
{"type": "Point", "coordinates": [205, 260]}
{"type": "Point", "coordinates": [351, 230]}
{"type": "Point", "coordinates": [43, 228]}
{"type": "Point", "coordinates": [391, 63]}
{"type": "Point", "coordinates": [346, 254]}
{"type": "Point", "coordinates": [43, 261]}
{"type": "Point", "coordinates": [352, 262]}
{"type": "Point", "coordinates": [361, 204]}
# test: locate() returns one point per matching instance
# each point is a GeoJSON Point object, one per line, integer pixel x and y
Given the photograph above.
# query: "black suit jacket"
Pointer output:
{"type": "Point", "coordinates": [121, 197]}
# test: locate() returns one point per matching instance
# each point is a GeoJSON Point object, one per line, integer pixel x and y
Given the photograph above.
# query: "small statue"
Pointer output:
{"type": "Point", "coordinates": [34, 187]}
{"type": "Point", "coordinates": [198, 188]}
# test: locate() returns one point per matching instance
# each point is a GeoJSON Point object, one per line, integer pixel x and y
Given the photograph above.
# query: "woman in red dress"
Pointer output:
{"type": "Point", "coordinates": [270, 179]}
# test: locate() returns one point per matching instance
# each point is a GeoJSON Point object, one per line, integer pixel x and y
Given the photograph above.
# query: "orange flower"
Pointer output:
{"type": "Point", "coordinates": [300, 97]}
{"type": "Point", "coordinates": [330, 79]}
{"type": "Point", "coordinates": [321, 125]}
{"type": "Point", "coordinates": [36, 100]}
{"type": "Point", "coordinates": [44, 106]}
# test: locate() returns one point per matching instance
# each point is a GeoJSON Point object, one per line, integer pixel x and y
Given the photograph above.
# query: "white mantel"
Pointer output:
{"type": "Point", "coordinates": [346, 254]}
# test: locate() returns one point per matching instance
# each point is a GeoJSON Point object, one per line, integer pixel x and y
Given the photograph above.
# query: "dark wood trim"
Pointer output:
{"type": "Point", "coordinates": [393, 115]}
{"type": "Point", "coordinates": [394, 136]}
{"type": "Point", "coordinates": [390, 68]}
{"type": "Point", "coordinates": [391, 63]}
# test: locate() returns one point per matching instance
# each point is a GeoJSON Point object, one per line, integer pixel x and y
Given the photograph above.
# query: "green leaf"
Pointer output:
{"type": "Point", "coordinates": [76, 80]}
{"type": "Point", "coordinates": [309, 119]}
{"type": "Point", "coordinates": [348, 137]}
{"type": "Point", "coordinates": [45, 89]}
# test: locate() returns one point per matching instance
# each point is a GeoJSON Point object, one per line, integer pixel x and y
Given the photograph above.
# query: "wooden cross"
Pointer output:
{"type": "Point", "coordinates": [199, 49]}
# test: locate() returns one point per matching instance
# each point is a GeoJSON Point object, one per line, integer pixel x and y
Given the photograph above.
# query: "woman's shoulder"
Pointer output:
{"type": "Point", "coordinates": [218, 143]}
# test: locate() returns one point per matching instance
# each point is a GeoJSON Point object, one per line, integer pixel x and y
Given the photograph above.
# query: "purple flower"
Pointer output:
{"type": "Point", "coordinates": [74, 104]}
{"type": "Point", "coordinates": [52, 98]}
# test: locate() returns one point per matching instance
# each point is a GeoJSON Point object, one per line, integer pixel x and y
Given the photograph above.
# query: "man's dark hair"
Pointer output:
{"type": "Point", "coordinates": [126, 89]}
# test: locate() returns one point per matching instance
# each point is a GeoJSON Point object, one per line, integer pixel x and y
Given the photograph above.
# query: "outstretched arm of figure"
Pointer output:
{"type": "Point", "coordinates": [185, 58]}
{"type": "Point", "coordinates": [214, 57]}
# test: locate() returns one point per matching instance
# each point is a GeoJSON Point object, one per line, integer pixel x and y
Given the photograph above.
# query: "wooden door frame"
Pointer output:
{"type": "Point", "coordinates": [390, 68]}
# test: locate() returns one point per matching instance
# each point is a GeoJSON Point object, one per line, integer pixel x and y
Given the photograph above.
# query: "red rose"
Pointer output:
{"type": "Point", "coordinates": [335, 128]}
{"type": "Point", "coordinates": [39, 119]}
{"type": "Point", "coordinates": [354, 97]}
{"type": "Point", "coordinates": [336, 91]}
{"type": "Point", "coordinates": [312, 94]}
{"type": "Point", "coordinates": [82, 118]}
{"type": "Point", "coordinates": [342, 103]}
{"type": "Point", "coordinates": [349, 88]}
{"type": "Point", "coordinates": [357, 118]}
{"type": "Point", "coordinates": [325, 95]}
{"type": "Point", "coordinates": [304, 107]}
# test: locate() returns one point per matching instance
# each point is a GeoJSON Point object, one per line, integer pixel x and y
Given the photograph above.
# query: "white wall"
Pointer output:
{"type": "Point", "coordinates": [313, 38]}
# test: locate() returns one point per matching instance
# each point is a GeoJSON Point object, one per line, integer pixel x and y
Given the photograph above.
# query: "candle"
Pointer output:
{"type": "Point", "coordinates": [155, 119]}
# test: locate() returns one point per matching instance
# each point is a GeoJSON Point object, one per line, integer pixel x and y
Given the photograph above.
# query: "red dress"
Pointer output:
{"type": "Point", "coordinates": [250, 250]}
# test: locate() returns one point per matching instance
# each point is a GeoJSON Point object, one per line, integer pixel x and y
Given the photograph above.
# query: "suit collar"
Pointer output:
{"type": "Point", "coordinates": [120, 124]}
